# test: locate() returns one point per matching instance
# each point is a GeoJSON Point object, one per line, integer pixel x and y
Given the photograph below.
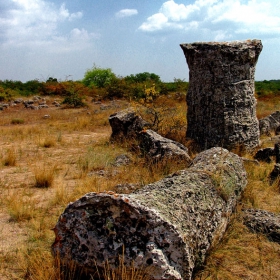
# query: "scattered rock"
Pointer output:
{"type": "Point", "coordinates": [33, 107]}
{"type": "Point", "coordinates": [157, 147]}
{"type": "Point", "coordinates": [122, 160]}
{"type": "Point", "coordinates": [105, 107]}
{"type": "Point", "coordinates": [126, 124]}
{"type": "Point", "coordinates": [18, 101]}
{"type": "Point", "coordinates": [221, 102]}
{"type": "Point", "coordinates": [43, 106]}
{"type": "Point", "coordinates": [5, 105]}
{"type": "Point", "coordinates": [263, 222]}
{"type": "Point", "coordinates": [168, 226]}
{"type": "Point", "coordinates": [56, 103]}
{"type": "Point", "coordinates": [270, 123]}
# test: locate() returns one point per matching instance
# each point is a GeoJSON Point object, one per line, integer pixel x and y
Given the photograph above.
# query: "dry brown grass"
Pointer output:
{"type": "Point", "coordinates": [10, 157]}
{"type": "Point", "coordinates": [267, 105]}
{"type": "Point", "coordinates": [47, 163]}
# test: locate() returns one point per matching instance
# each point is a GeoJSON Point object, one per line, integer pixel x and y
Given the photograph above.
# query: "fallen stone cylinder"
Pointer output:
{"type": "Point", "coordinates": [221, 103]}
{"type": "Point", "coordinates": [167, 226]}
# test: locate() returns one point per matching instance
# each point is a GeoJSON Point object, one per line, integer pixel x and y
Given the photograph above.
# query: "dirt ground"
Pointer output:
{"type": "Point", "coordinates": [71, 132]}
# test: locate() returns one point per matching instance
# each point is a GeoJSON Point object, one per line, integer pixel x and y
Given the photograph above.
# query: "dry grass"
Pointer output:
{"type": "Point", "coordinates": [44, 176]}
{"type": "Point", "coordinates": [266, 105]}
{"type": "Point", "coordinates": [47, 163]}
{"type": "Point", "coordinates": [10, 158]}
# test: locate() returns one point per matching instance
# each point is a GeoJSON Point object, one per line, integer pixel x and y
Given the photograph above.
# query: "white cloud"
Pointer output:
{"type": "Point", "coordinates": [159, 22]}
{"type": "Point", "coordinates": [222, 17]}
{"type": "Point", "coordinates": [34, 22]}
{"type": "Point", "coordinates": [126, 13]}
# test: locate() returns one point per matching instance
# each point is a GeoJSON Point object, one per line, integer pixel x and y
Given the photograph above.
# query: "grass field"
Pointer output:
{"type": "Point", "coordinates": [48, 162]}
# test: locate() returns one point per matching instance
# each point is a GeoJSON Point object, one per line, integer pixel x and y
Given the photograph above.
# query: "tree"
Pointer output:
{"type": "Point", "coordinates": [143, 77]}
{"type": "Point", "coordinates": [98, 77]}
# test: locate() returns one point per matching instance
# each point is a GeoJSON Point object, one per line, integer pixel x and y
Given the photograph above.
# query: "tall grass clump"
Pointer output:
{"type": "Point", "coordinates": [48, 142]}
{"type": "Point", "coordinates": [44, 176]}
{"type": "Point", "coordinates": [10, 158]}
{"type": "Point", "coordinates": [20, 207]}
{"type": "Point", "coordinates": [17, 121]}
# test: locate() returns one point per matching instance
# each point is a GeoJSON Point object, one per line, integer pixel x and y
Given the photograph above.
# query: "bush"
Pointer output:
{"type": "Point", "coordinates": [17, 121]}
{"type": "Point", "coordinates": [73, 99]}
{"type": "Point", "coordinates": [44, 177]}
{"type": "Point", "coordinates": [98, 77]}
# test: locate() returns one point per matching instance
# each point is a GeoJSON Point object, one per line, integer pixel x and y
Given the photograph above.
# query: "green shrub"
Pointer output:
{"type": "Point", "coordinates": [17, 121]}
{"type": "Point", "coordinates": [73, 99]}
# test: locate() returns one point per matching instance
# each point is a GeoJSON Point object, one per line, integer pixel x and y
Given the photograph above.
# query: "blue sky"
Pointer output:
{"type": "Point", "coordinates": [62, 39]}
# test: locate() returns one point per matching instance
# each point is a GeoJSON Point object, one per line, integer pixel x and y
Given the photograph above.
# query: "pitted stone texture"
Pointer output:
{"type": "Point", "coordinates": [270, 123]}
{"type": "Point", "coordinates": [168, 226]}
{"type": "Point", "coordinates": [221, 103]}
{"type": "Point", "coordinates": [157, 147]}
{"type": "Point", "coordinates": [263, 222]}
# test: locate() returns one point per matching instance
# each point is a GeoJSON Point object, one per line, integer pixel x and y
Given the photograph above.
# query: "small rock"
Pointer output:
{"type": "Point", "coordinates": [122, 160]}
{"type": "Point", "coordinates": [157, 147]}
{"type": "Point", "coordinates": [263, 222]}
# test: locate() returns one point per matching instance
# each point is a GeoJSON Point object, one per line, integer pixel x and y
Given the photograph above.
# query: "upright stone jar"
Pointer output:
{"type": "Point", "coordinates": [220, 99]}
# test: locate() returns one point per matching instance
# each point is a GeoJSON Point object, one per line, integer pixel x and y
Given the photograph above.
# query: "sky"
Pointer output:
{"type": "Point", "coordinates": [63, 39]}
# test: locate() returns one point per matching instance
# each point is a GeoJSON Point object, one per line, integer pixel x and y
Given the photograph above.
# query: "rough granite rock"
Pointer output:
{"type": "Point", "coordinates": [126, 123]}
{"type": "Point", "coordinates": [220, 99]}
{"type": "Point", "coordinates": [168, 226]}
{"type": "Point", "coordinates": [157, 147]}
{"type": "Point", "coordinates": [263, 222]}
{"type": "Point", "coordinates": [270, 123]}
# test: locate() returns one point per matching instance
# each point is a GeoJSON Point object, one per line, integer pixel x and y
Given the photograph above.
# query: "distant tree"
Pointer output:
{"type": "Point", "coordinates": [143, 77]}
{"type": "Point", "coordinates": [98, 77]}
{"type": "Point", "coordinates": [51, 80]}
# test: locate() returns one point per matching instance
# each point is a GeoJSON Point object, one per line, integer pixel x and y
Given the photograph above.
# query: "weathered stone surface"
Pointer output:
{"type": "Point", "coordinates": [270, 123]}
{"type": "Point", "coordinates": [263, 222]}
{"type": "Point", "coordinates": [221, 102]}
{"type": "Point", "coordinates": [265, 154]}
{"type": "Point", "coordinates": [277, 152]}
{"type": "Point", "coordinates": [122, 160]}
{"type": "Point", "coordinates": [275, 174]}
{"type": "Point", "coordinates": [126, 123]}
{"type": "Point", "coordinates": [169, 225]}
{"type": "Point", "coordinates": [126, 188]}
{"type": "Point", "coordinates": [157, 147]}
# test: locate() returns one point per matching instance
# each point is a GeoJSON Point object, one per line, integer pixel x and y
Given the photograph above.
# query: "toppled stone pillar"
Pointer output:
{"type": "Point", "coordinates": [220, 99]}
{"type": "Point", "coordinates": [167, 226]}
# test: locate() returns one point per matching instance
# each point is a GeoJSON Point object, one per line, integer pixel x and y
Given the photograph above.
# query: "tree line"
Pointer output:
{"type": "Point", "coordinates": [103, 83]}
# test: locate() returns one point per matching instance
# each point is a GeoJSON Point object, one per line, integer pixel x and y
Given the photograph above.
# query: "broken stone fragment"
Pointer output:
{"type": "Point", "coordinates": [168, 226]}
{"type": "Point", "coordinates": [126, 124]}
{"type": "Point", "coordinates": [157, 147]}
{"type": "Point", "coordinates": [264, 222]}
{"type": "Point", "coordinates": [270, 123]}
